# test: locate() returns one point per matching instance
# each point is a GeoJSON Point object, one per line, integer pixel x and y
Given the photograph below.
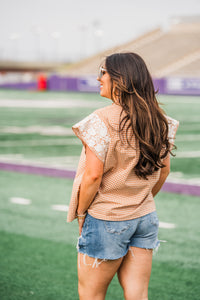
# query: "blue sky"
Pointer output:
{"type": "Point", "coordinates": [70, 30]}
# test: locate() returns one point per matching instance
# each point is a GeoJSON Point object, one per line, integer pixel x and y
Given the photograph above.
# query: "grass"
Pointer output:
{"type": "Point", "coordinates": [188, 166]}
{"type": "Point", "coordinates": [47, 95]}
{"type": "Point", "coordinates": [36, 268]}
{"type": "Point", "coordinates": [38, 247]}
{"type": "Point", "coordinates": [43, 117]}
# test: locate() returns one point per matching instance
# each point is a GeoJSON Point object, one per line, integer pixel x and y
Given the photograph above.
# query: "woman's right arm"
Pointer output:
{"type": "Point", "coordinates": [163, 176]}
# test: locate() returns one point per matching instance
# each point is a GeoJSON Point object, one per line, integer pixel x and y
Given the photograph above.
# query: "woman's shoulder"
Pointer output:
{"type": "Point", "coordinates": [109, 112]}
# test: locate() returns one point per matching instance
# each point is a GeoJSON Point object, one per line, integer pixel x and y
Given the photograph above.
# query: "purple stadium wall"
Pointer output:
{"type": "Point", "coordinates": [165, 86]}
{"type": "Point", "coordinates": [20, 86]}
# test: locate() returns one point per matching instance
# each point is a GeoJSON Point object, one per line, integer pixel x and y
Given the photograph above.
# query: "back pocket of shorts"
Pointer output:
{"type": "Point", "coordinates": [116, 227]}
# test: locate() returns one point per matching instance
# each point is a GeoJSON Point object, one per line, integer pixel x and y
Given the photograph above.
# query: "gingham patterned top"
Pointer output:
{"type": "Point", "coordinates": [121, 195]}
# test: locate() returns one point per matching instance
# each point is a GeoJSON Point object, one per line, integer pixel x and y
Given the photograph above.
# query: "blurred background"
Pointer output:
{"type": "Point", "coordinates": [64, 39]}
{"type": "Point", "coordinates": [50, 52]}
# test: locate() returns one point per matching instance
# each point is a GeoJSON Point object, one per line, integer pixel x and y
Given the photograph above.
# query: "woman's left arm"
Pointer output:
{"type": "Point", "coordinates": [90, 183]}
{"type": "Point", "coordinates": [163, 176]}
{"type": "Point", "coordinates": [173, 126]}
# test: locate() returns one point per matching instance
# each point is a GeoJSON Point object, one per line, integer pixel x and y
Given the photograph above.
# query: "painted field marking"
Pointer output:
{"type": "Point", "coordinates": [42, 130]}
{"type": "Point", "coordinates": [166, 225]}
{"type": "Point", "coordinates": [60, 207]}
{"type": "Point", "coordinates": [188, 154]}
{"type": "Point", "coordinates": [188, 138]}
{"type": "Point", "coordinates": [21, 201]}
{"type": "Point", "coordinates": [178, 177]}
{"type": "Point", "coordinates": [182, 100]}
{"type": "Point", "coordinates": [183, 181]}
{"type": "Point", "coordinates": [49, 142]}
{"type": "Point", "coordinates": [61, 162]}
{"type": "Point", "coordinates": [67, 103]}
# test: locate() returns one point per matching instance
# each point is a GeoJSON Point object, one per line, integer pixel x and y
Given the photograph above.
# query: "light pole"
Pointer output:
{"type": "Point", "coordinates": [37, 31]}
{"type": "Point", "coordinates": [56, 35]}
{"type": "Point", "coordinates": [14, 38]}
{"type": "Point", "coordinates": [83, 29]}
{"type": "Point", "coordinates": [97, 35]}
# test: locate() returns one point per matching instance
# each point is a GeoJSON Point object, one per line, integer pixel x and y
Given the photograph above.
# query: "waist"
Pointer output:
{"type": "Point", "coordinates": [119, 208]}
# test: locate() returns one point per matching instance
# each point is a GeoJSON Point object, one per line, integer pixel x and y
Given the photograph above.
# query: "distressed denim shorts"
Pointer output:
{"type": "Point", "coordinates": [111, 239]}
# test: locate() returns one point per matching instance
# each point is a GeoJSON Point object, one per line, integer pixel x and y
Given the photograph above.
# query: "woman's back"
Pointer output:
{"type": "Point", "coordinates": [122, 195]}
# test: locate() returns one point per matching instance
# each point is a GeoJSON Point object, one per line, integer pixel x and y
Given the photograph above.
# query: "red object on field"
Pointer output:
{"type": "Point", "coordinates": [42, 83]}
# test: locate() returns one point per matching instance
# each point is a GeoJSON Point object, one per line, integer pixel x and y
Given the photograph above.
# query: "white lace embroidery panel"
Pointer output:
{"type": "Point", "coordinates": [173, 125]}
{"type": "Point", "coordinates": [95, 134]}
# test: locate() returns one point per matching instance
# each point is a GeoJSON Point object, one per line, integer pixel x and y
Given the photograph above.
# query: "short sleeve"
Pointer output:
{"type": "Point", "coordinates": [173, 126]}
{"type": "Point", "coordinates": [93, 132]}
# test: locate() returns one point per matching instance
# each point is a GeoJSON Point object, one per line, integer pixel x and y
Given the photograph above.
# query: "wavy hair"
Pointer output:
{"type": "Point", "coordinates": [132, 86]}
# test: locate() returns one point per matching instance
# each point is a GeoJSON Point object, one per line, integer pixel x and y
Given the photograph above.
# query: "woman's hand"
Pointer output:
{"type": "Point", "coordinates": [81, 220]}
{"type": "Point", "coordinates": [80, 224]}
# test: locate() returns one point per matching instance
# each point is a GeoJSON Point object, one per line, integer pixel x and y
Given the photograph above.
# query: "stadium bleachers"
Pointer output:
{"type": "Point", "coordinates": [172, 52]}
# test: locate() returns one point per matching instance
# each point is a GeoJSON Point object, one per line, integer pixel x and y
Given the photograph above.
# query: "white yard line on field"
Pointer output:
{"type": "Point", "coordinates": [188, 154]}
{"type": "Point", "coordinates": [174, 100]}
{"type": "Point", "coordinates": [179, 177]}
{"type": "Point", "coordinates": [49, 142]}
{"type": "Point", "coordinates": [20, 157]}
{"type": "Point", "coordinates": [188, 181]}
{"type": "Point", "coordinates": [21, 201]}
{"type": "Point", "coordinates": [166, 225]}
{"type": "Point", "coordinates": [188, 138]}
{"type": "Point", "coordinates": [48, 130]}
{"type": "Point", "coordinates": [68, 103]}
{"type": "Point", "coordinates": [60, 207]}
{"type": "Point", "coordinates": [61, 162]}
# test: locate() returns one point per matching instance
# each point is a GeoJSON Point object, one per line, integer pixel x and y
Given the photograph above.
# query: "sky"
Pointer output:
{"type": "Point", "coordinates": [69, 30]}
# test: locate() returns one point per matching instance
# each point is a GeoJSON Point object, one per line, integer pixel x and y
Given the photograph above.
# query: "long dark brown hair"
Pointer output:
{"type": "Point", "coordinates": [132, 86]}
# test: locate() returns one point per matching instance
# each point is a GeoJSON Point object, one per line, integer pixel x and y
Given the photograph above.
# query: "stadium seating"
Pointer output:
{"type": "Point", "coordinates": [173, 52]}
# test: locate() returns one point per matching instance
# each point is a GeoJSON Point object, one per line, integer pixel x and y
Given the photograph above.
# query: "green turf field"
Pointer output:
{"type": "Point", "coordinates": [38, 247]}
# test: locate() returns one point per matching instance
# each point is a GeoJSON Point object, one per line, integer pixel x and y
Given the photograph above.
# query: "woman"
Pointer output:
{"type": "Point", "coordinates": [124, 162]}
